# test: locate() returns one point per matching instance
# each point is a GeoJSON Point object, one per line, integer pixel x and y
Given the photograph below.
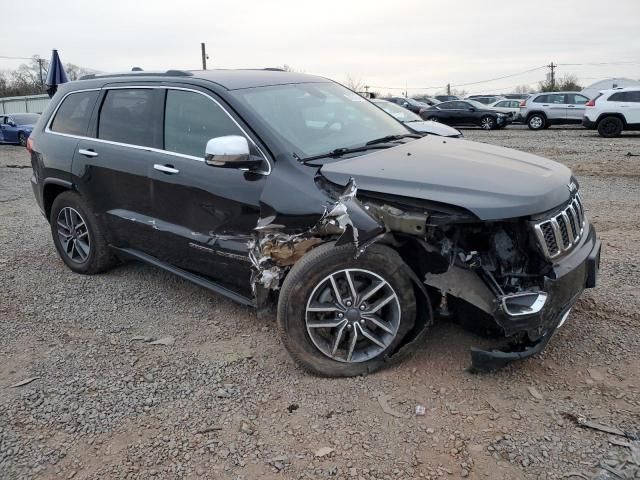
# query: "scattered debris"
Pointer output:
{"type": "Point", "coordinates": [583, 422]}
{"type": "Point", "coordinates": [17, 166]}
{"type": "Point", "coordinates": [629, 154]}
{"type": "Point", "coordinates": [324, 452]}
{"type": "Point", "coordinates": [140, 338]}
{"type": "Point", "coordinates": [23, 382]}
{"type": "Point", "coordinates": [167, 341]}
{"type": "Point", "coordinates": [382, 400]}
{"type": "Point", "coordinates": [293, 407]}
{"type": "Point", "coordinates": [208, 429]}
{"type": "Point", "coordinates": [576, 474]}
{"type": "Point", "coordinates": [596, 375]}
{"type": "Point", "coordinates": [535, 393]}
{"type": "Point", "coordinates": [421, 410]}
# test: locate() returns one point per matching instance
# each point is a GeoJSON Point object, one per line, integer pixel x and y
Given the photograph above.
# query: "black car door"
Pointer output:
{"type": "Point", "coordinates": [111, 167]}
{"type": "Point", "coordinates": [204, 215]}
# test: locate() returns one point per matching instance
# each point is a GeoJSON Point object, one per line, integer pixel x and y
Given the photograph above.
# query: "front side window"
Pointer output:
{"type": "Point", "coordinates": [132, 116]}
{"type": "Point", "coordinates": [315, 118]}
{"type": "Point", "coordinates": [74, 113]}
{"type": "Point", "coordinates": [633, 96]}
{"type": "Point", "coordinates": [191, 120]}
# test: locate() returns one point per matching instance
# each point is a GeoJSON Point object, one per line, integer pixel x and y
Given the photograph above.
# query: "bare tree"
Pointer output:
{"type": "Point", "coordinates": [568, 81]}
{"type": "Point", "coordinates": [523, 89]}
{"type": "Point", "coordinates": [355, 84]}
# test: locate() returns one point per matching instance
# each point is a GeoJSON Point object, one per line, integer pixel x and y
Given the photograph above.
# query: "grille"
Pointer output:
{"type": "Point", "coordinates": [562, 231]}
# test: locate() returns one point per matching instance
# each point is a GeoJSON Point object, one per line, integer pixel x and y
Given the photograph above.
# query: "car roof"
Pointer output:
{"type": "Point", "coordinates": [228, 79]}
{"type": "Point", "coordinates": [620, 89]}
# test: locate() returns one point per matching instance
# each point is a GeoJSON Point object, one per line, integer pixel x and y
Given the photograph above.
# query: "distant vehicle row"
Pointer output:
{"type": "Point", "coordinates": [16, 127]}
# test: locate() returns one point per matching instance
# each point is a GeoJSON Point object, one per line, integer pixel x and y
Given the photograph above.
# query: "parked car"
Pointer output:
{"type": "Point", "coordinates": [16, 127]}
{"type": "Point", "coordinates": [613, 111]}
{"type": "Point", "coordinates": [446, 98]}
{"type": "Point", "coordinates": [485, 99]}
{"type": "Point", "coordinates": [414, 121]}
{"type": "Point", "coordinates": [409, 103]}
{"type": "Point", "coordinates": [516, 96]}
{"type": "Point", "coordinates": [271, 186]}
{"type": "Point", "coordinates": [541, 110]}
{"type": "Point", "coordinates": [466, 112]}
{"type": "Point", "coordinates": [428, 100]}
{"type": "Point", "coordinates": [508, 107]}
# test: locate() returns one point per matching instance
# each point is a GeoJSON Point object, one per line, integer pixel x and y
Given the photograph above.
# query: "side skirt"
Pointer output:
{"type": "Point", "coordinates": [197, 279]}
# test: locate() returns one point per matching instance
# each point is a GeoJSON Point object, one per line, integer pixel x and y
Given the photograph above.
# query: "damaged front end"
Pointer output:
{"type": "Point", "coordinates": [496, 272]}
{"type": "Point", "coordinates": [487, 271]}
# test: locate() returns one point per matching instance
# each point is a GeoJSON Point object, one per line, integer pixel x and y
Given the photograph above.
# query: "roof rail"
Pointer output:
{"type": "Point", "coordinates": [138, 73]}
{"type": "Point", "coordinates": [274, 69]}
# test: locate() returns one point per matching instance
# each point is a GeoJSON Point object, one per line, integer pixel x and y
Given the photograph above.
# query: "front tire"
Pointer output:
{"type": "Point", "coordinates": [340, 316]}
{"type": "Point", "coordinates": [488, 122]}
{"type": "Point", "coordinates": [77, 235]}
{"type": "Point", "coordinates": [536, 121]}
{"type": "Point", "coordinates": [22, 139]}
{"type": "Point", "coordinates": [610, 127]}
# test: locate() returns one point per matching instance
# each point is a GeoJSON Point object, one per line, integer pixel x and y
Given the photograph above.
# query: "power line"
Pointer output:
{"type": "Point", "coordinates": [464, 84]}
{"type": "Point", "coordinates": [16, 58]}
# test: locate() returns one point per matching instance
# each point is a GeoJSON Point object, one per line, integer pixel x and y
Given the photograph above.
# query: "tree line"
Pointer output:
{"type": "Point", "coordinates": [29, 77]}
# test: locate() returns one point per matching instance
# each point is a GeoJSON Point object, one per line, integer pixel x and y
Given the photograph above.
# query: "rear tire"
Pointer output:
{"type": "Point", "coordinates": [308, 290]}
{"type": "Point", "coordinates": [78, 237]}
{"type": "Point", "coordinates": [22, 139]}
{"type": "Point", "coordinates": [610, 127]}
{"type": "Point", "coordinates": [537, 121]}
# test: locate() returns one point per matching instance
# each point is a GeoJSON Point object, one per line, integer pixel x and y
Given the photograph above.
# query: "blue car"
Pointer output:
{"type": "Point", "coordinates": [16, 127]}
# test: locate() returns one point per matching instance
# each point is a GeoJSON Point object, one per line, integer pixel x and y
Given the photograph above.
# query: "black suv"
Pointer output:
{"type": "Point", "coordinates": [281, 188]}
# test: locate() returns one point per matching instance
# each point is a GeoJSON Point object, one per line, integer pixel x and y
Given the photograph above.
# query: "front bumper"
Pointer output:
{"type": "Point", "coordinates": [563, 286]}
{"type": "Point", "coordinates": [588, 123]}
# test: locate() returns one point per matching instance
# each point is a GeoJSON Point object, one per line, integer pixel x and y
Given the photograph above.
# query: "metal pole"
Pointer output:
{"type": "Point", "coordinates": [40, 60]}
{"type": "Point", "coordinates": [204, 56]}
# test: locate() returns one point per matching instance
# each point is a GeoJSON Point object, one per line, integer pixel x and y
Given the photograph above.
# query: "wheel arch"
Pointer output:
{"type": "Point", "coordinates": [539, 112]}
{"type": "Point", "coordinates": [52, 188]}
{"type": "Point", "coordinates": [620, 116]}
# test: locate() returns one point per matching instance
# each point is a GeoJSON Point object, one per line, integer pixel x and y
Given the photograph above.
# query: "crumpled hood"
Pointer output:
{"type": "Point", "coordinates": [491, 182]}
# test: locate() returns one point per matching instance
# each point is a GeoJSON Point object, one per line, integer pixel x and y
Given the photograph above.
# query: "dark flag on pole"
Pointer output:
{"type": "Point", "coordinates": [56, 74]}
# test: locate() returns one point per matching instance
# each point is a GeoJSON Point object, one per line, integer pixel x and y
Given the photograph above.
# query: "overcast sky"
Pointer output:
{"type": "Point", "coordinates": [388, 44]}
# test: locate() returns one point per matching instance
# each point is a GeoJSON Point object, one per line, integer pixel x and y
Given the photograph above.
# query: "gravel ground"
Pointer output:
{"type": "Point", "coordinates": [226, 402]}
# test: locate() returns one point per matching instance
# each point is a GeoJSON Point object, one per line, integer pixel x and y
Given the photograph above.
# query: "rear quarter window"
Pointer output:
{"type": "Point", "coordinates": [72, 117]}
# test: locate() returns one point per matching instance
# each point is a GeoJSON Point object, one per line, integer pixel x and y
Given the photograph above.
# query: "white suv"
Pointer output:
{"type": "Point", "coordinates": [613, 111]}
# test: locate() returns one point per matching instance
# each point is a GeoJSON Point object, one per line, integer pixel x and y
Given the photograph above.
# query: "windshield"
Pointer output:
{"type": "Point", "coordinates": [315, 118]}
{"type": "Point", "coordinates": [25, 118]}
{"type": "Point", "coordinates": [398, 112]}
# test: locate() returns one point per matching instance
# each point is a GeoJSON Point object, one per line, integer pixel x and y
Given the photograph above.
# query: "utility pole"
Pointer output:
{"type": "Point", "coordinates": [552, 75]}
{"type": "Point", "coordinates": [40, 61]}
{"type": "Point", "coordinates": [448, 89]}
{"type": "Point", "coordinates": [204, 56]}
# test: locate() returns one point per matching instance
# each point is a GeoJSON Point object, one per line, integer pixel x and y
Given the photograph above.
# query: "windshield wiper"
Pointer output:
{"type": "Point", "coordinates": [338, 152]}
{"type": "Point", "coordinates": [391, 138]}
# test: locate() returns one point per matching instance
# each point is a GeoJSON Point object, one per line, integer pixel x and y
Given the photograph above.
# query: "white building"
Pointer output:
{"type": "Point", "coordinates": [593, 90]}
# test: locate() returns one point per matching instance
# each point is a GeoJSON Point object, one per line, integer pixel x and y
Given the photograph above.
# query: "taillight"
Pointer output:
{"type": "Point", "coordinates": [523, 103]}
{"type": "Point", "coordinates": [591, 103]}
{"type": "Point", "coordinates": [29, 145]}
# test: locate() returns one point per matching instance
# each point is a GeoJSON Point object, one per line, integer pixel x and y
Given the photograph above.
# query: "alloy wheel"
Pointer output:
{"type": "Point", "coordinates": [73, 235]}
{"type": "Point", "coordinates": [352, 315]}
{"type": "Point", "coordinates": [486, 123]}
{"type": "Point", "coordinates": [22, 140]}
{"type": "Point", "coordinates": [535, 122]}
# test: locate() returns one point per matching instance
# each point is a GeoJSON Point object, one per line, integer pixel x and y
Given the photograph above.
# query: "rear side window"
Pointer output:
{"type": "Point", "coordinates": [191, 120]}
{"type": "Point", "coordinates": [132, 116]}
{"type": "Point", "coordinates": [634, 96]}
{"type": "Point", "coordinates": [74, 113]}
{"type": "Point", "coordinates": [625, 97]}
{"type": "Point", "coordinates": [541, 99]}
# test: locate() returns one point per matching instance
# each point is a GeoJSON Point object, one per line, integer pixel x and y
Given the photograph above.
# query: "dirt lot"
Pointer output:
{"type": "Point", "coordinates": [226, 402]}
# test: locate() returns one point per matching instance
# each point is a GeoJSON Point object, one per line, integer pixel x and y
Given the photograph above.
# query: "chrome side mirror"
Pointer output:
{"type": "Point", "coordinates": [231, 151]}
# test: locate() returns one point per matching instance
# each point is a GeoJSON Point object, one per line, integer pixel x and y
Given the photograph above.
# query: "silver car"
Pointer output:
{"type": "Point", "coordinates": [509, 107]}
{"type": "Point", "coordinates": [541, 110]}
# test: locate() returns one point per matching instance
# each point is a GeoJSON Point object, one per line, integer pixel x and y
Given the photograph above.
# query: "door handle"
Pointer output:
{"type": "Point", "coordinates": [87, 153]}
{"type": "Point", "coordinates": [166, 168]}
{"type": "Point", "coordinates": [571, 106]}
